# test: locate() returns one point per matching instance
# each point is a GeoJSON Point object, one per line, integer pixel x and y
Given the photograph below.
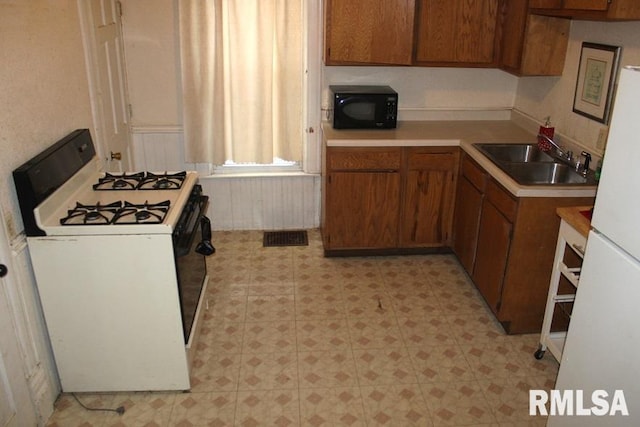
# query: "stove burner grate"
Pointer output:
{"type": "Point", "coordinates": [140, 181]}
{"type": "Point", "coordinates": [146, 213]}
{"type": "Point", "coordinates": [125, 181]}
{"type": "Point", "coordinates": [117, 213]}
{"type": "Point", "coordinates": [97, 214]}
{"type": "Point", "coordinates": [165, 181]}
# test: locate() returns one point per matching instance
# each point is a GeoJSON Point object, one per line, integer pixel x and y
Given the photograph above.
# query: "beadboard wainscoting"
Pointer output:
{"type": "Point", "coordinates": [271, 202]}
{"type": "Point", "coordinates": [161, 148]}
{"type": "Point", "coordinates": [282, 201]}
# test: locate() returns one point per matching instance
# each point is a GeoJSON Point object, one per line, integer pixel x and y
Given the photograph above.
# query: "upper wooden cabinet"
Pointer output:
{"type": "Point", "coordinates": [523, 37]}
{"type": "Point", "coordinates": [369, 32]}
{"type": "Point", "coordinates": [532, 45]}
{"type": "Point", "coordinates": [588, 9]}
{"type": "Point", "coordinates": [457, 32]}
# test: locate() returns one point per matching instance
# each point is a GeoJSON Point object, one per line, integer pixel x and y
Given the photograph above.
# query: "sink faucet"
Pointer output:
{"type": "Point", "coordinates": [567, 156]}
{"type": "Point", "coordinates": [564, 155]}
{"type": "Point", "coordinates": [585, 165]}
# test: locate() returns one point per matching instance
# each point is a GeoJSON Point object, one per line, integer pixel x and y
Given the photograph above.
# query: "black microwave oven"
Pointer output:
{"type": "Point", "coordinates": [364, 107]}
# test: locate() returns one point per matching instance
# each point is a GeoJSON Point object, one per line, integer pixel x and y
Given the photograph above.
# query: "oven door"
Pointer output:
{"type": "Point", "coordinates": [191, 268]}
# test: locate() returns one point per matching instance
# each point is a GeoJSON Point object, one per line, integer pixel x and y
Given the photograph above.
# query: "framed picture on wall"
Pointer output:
{"type": "Point", "coordinates": [596, 79]}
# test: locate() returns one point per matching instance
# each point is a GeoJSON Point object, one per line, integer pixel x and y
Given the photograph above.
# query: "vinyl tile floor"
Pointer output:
{"type": "Point", "coordinates": [292, 338]}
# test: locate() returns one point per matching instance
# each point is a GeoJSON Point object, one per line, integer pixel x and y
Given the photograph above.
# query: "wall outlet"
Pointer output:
{"type": "Point", "coordinates": [602, 138]}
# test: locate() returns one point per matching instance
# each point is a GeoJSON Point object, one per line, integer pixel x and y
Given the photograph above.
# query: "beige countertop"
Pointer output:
{"type": "Point", "coordinates": [455, 133]}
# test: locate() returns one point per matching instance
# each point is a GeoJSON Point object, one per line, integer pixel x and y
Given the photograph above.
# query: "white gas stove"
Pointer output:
{"type": "Point", "coordinates": [119, 265]}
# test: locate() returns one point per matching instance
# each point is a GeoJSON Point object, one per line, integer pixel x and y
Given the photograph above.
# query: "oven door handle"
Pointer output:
{"type": "Point", "coordinates": [205, 247]}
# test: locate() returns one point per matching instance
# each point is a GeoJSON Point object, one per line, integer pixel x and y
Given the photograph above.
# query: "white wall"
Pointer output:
{"type": "Point", "coordinates": [44, 95]}
{"type": "Point", "coordinates": [539, 97]}
{"type": "Point", "coordinates": [44, 90]}
{"type": "Point", "coordinates": [435, 93]}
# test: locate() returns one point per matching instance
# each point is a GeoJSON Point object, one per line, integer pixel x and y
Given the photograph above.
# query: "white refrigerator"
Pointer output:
{"type": "Point", "coordinates": [602, 350]}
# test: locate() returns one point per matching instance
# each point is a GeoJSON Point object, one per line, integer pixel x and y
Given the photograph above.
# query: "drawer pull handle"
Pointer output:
{"type": "Point", "coordinates": [578, 249]}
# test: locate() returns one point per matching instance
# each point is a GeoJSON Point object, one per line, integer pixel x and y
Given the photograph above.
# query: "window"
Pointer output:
{"type": "Point", "coordinates": [242, 64]}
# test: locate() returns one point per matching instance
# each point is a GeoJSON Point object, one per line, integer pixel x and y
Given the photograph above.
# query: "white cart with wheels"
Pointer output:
{"type": "Point", "coordinates": [574, 228]}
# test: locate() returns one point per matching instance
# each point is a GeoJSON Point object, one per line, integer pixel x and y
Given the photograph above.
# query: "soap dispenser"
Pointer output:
{"type": "Point", "coordinates": [548, 131]}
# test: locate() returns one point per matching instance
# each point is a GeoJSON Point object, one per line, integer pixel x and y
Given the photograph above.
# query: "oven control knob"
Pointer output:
{"type": "Point", "coordinates": [116, 156]}
{"type": "Point", "coordinates": [3, 270]}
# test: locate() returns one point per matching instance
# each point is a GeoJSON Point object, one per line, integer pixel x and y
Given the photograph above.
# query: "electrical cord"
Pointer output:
{"type": "Point", "coordinates": [119, 410]}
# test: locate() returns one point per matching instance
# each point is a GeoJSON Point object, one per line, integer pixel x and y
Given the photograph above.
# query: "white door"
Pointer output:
{"type": "Point", "coordinates": [102, 32]}
{"type": "Point", "coordinates": [16, 407]}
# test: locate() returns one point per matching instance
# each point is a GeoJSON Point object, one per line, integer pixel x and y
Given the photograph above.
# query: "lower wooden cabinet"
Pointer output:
{"type": "Point", "coordinates": [507, 246]}
{"type": "Point", "coordinates": [494, 242]}
{"type": "Point", "coordinates": [388, 198]}
{"type": "Point", "coordinates": [429, 189]}
{"type": "Point", "coordinates": [401, 199]}
{"type": "Point", "coordinates": [469, 196]}
{"type": "Point", "coordinates": [363, 207]}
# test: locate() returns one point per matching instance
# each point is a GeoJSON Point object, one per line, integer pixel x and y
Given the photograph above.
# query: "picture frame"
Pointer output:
{"type": "Point", "coordinates": [597, 72]}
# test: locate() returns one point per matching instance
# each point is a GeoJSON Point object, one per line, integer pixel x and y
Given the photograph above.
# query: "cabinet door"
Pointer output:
{"type": "Point", "coordinates": [369, 32]}
{"type": "Point", "coordinates": [427, 212]}
{"type": "Point", "coordinates": [494, 240]}
{"type": "Point", "coordinates": [362, 210]}
{"type": "Point", "coordinates": [467, 223]}
{"type": "Point", "coordinates": [457, 31]}
{"type": "Point", "coordinates": [533, 45]}
{"type": "Point", "coordinates": [513, 29]}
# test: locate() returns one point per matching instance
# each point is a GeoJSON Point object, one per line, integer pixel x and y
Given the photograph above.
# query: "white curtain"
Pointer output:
{"type": "Point", "coordinates": [242, 77]}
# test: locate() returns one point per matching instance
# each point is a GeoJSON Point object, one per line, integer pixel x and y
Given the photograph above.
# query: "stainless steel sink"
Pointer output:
{"type": "Point", "coordinates": [543, 173]}
{"type": "Point", "coordinates": [528, 165]}
{"type": "Point", "coordinates": [521, 153]}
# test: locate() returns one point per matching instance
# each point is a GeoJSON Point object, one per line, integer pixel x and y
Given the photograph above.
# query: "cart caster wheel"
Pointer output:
{"type": "Point", "coordinates": [539, 354]}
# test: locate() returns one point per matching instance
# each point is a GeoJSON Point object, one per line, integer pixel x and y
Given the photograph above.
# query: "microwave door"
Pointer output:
{"type": "Point", "coordinates": [360, 110]}
{"type": "Point", "coordinates": [356, 112]}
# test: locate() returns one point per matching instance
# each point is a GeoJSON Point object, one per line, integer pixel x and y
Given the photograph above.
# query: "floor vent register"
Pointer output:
{"type": "Point", "coordinates": [285, 238]}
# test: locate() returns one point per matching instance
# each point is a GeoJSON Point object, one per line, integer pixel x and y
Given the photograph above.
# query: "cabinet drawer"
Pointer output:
{"type": "Point", "coordinates": [502, 200]}
{"type": "Point", "coordinates": [474, 173]}
{"type": "Point", "coordinates": [358, 159]}
{"type": "Point", "coordinates": [433, 159]}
